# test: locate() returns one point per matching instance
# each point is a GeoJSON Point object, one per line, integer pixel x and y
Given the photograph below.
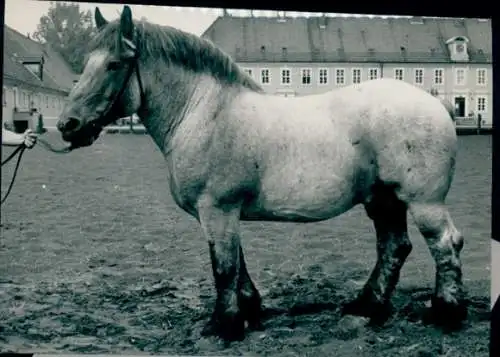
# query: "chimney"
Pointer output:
{"type": "Point", "coordinates": [284, 52]}
{"type": "Point", "coordinates": [224, 12]}
{"type": "Point", "coordinates": [322, 21]}
{"type": "Point", "coordinates": [281, 16]}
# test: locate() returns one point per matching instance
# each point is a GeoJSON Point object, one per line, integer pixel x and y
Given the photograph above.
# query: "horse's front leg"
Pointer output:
{"type": "Point", "coordinates": [250, 300]}
{"type": "Point", "coordinates": [220, 226]}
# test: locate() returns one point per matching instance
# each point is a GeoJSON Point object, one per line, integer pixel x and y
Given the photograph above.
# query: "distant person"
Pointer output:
{"type": "Point", "coordinates": [10, 138]}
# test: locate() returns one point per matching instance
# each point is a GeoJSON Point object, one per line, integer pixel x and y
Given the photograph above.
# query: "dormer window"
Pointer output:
{"type": "Point", "coordinates": [457, 47]}
{"type": "Point", "coordinates": [34, 65]}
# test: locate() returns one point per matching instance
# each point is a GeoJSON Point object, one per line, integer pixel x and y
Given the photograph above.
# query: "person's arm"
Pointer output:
{"type": "Point", "coordinates": [9, 138]}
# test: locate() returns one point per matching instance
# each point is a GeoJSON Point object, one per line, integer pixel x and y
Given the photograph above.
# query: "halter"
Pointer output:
{"type": "Point", "coordinates": [133, 66]}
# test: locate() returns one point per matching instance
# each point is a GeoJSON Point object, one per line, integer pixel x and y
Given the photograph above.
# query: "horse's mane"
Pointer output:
{"type": "Point", "coordinates": [180, 48]}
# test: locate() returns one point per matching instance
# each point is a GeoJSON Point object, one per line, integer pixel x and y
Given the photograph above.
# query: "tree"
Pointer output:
{"type": "Point", "coordinates": [67, 30]}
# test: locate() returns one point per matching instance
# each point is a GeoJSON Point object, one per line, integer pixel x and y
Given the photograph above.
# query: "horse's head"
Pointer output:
{"type": "Point", "coordinates": [107, 89]}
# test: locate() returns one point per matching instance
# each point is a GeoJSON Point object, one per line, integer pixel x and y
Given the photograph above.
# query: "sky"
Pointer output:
{"type": "Point", "coordinates": [24, 15]}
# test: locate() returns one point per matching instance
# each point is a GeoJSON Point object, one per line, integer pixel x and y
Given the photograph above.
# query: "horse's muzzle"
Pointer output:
{"type": "Point", "coordinates": [68, 125]}
{"type": "Point", "coordinates": [78, 135]}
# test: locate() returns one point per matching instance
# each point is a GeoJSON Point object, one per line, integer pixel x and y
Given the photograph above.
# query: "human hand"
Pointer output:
{"type": "Point", "coordinates": [29, 138]}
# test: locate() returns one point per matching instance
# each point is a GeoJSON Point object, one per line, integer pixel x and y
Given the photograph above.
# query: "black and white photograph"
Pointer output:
{"type": "Point", "coordinates": [197, 181]}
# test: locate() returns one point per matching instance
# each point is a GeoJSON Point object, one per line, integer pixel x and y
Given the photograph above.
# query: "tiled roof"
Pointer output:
{"type": "Point", "coordinates": [338, 39]}
{"type": "Point", "coordinates": [57, 75]}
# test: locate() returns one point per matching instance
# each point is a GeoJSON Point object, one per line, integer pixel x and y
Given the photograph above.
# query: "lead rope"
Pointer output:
{"type": "Point", "coordinates": [20, 150]}
{"type": "Point", "coordinates": [49, 147]}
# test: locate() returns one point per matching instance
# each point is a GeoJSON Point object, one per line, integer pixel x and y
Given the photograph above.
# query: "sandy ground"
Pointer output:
{"type": "Point", "coordinates": [96, 258]}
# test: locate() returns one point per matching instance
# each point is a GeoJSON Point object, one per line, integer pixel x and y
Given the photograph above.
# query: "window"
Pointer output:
{"type": "Point", "coordinates": [438, 76]}
{"type": "Point", "coordinates": [306, 76]}
{"type": "Point", "coordinates": [248, 71]}
{"type": "Point", "coordinates": [419, 76]}
{"type": "Point", "coordinates": [285, 76]}
{"type": "Point", "coordinates": [15, 93]}
{"type": "Point", "coordinates": [481, 104]}
{"type": "Point", "coordinates": [460, 78]}
{"type": "Point", "coordinates": [356, 75]}
{"type": "Point", "coordinates": [265, 77]}
{"type": "Point", "coordinates": [46, 101]}
{"type": "Point", "coordinates": [35, 102]}
{"type": "Point", "coordinates": [481, 76]}
{"type": "Point", "coordinates": [4, 96]}
{"type": "Point", "coordinates": [399, 74]}
{"type": "Point", "coordinates": [340, 76]}
{"type": "Point", "coordinates": [459, 47]}
{"type": "Point", "coordinates": [372, 73]}
{"type": "Point", "coordinates": [323, 76]}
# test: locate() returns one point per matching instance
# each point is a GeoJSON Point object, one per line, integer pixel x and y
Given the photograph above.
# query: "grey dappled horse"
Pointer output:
{"type": "Point", "coordinates": [236, 153]}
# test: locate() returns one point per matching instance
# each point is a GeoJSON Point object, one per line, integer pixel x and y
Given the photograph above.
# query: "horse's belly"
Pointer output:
{"type": "Point", "coordinates": [302, 198]}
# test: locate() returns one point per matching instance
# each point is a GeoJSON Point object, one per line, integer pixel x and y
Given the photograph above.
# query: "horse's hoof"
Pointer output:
{"type": "Point", "coordinates": [251, 308]}
{"type": "Point", "coordinates": [448, 315]}
{"type": "Point", "coordinates": [229, 328]}
{"type": "Point", "coordinates": [253, 317]}
{"type": "Point", "coordinates": [255, 325]}
{"type": "Point", "coordinates": [377, 312]}
{"type": "Point", "coordinates": [232, 328]}
{"type": "Point", "coordinates": [210, 329]}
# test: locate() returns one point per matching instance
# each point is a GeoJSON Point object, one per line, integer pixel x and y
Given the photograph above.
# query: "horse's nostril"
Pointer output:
{"type": "Point", "coordinates": [71, 124]}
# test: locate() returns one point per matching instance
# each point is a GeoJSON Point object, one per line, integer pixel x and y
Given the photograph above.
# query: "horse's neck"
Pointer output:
{"type": "Point", "coordinates": [176, 95]}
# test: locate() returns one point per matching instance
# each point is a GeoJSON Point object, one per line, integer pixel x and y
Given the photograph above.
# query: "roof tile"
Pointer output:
{"type": "Point", "coordinates": [337, 39]}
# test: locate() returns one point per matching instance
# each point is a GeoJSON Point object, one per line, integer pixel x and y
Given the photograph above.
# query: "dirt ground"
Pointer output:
{"type": "Point", "coordinates": [95, 257]}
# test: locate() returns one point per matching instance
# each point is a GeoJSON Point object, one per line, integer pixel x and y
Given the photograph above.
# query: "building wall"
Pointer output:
{"type": "Point", "coordinates": [49, 104]}
{"type": "Point", "coordinates": [469, 88]}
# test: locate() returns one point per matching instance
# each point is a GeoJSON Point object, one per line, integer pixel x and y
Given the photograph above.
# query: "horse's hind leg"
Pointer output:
{"type": "Point", "coordinates": [445, 243]}
{"type": "Point", "coordinates": [393, 247]}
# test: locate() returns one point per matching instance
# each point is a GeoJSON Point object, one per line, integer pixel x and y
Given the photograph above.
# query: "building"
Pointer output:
{"type": "Point", "coordinates": [34, 77]}
{"type": "Point", "coordinates": [451, 58]}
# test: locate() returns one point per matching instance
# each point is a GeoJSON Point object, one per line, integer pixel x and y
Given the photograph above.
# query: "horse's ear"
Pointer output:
{"type": "Point", "coordinates": [100, 21]}
{"type": "Point", "coordinates": [126, 24]}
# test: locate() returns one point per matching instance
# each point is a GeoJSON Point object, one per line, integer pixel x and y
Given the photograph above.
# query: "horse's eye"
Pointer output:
{"type": "Point", "coordinates": [114, 65]}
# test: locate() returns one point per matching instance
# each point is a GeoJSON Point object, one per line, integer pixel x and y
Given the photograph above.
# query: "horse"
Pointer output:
{"type": "Point", "coordinates": [235, 153]}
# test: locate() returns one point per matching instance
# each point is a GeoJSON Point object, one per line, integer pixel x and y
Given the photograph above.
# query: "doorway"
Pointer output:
{"type": "Point", "coordinates": [20, 126]}
{"type": "Point", "coordinates": [460, 106]}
